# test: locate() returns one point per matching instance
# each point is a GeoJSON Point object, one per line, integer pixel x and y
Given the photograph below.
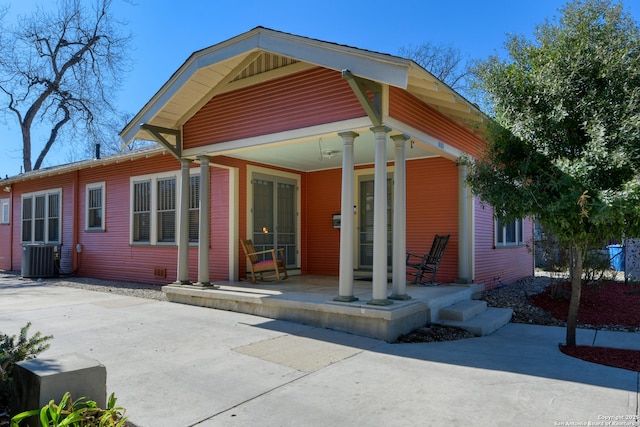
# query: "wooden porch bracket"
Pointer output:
{"type": "Point", "coordinates": [157, 132]}
{"type": "Point", "coordinates": [360, 87]}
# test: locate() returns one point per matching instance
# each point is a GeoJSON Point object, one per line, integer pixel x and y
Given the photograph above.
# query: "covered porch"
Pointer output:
{"type": "Point", "coordinates": [309, 299]}
{"type": "Point", "coordinates": [353, 141]}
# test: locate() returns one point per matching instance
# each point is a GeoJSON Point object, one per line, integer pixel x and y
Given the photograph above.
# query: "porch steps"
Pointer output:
{"type": "Point", "coordinates": [463, 310]}
{"type": "Point", "coordinates": [475, 317]}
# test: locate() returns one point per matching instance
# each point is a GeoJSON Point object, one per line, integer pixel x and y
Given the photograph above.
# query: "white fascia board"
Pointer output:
{"type": "Point", "coordinates": [440, 147]}
{"type": "Point", "coordinates": [196, 61]}
{"type": "Point", "coordinates": [377, 67]}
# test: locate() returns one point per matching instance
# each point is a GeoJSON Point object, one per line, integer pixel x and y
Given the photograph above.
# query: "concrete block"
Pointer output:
{"type": "Point", "coordinates": [38, 381]}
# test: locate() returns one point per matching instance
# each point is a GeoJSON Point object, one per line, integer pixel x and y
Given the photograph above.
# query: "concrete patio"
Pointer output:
{"type": "Point", "coordinates": [309, 300]}
{"type": "Point", "coordinates": [174, 365]}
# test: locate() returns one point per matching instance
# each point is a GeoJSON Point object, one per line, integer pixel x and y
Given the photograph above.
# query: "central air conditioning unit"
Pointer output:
{"type": "Point", "coordinates": [39, 260]}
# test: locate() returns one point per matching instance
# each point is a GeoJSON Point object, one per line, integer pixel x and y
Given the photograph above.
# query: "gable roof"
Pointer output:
{"type": "Point", "coordinates": [212, 70]}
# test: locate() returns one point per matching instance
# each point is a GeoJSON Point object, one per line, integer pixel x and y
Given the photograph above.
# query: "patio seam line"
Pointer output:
{"type": "Point", "coordinates": [270, 390]}
{"type": "Point", "coordinates": [248, 400]}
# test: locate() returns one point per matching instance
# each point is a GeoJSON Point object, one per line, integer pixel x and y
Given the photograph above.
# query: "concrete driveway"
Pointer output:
{"type": "Point", "coordinates": [175, 365]}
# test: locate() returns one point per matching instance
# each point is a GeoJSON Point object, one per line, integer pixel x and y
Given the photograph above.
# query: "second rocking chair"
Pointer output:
{"type": "Point", "coordinates": [426, 266]}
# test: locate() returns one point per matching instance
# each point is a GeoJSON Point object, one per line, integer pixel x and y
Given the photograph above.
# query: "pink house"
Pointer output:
{"type": "Point", "coordinates": [277, 138]}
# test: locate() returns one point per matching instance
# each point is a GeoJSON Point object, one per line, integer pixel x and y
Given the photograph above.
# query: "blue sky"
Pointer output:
{"type": "Point", "coordinates": [166, 32]}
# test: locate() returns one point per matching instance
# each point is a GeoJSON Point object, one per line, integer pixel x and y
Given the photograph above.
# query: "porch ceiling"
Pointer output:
{"type": "Point", "coordinates": [264, 54]}
{"type": "Point", "coordinates": [325, 152]}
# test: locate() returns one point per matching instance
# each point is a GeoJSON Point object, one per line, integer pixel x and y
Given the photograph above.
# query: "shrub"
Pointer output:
{"type": "Point", "coordinates": [79, 413]}
{"type": "Point", "coordinates": [16, 349]}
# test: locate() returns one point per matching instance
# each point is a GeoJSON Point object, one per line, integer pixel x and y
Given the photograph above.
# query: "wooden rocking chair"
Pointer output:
{"type": "Point", "coordinates": [274, 265]}
{"type": "Point", "coordinates": [428, 263]}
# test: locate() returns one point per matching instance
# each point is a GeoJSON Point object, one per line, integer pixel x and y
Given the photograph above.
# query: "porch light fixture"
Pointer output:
{"type": "Point", "coordinates": [7, 189]}
{"type": "Point", "coordinates": [329, 153]}
{"type": "Point", "coordinates": [326, 153]}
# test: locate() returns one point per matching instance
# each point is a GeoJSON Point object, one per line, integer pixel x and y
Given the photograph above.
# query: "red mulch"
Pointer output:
{"type": "Point", "coordinates": [624, 359]}
{"type": "Point", "coordinates": [606, 305]}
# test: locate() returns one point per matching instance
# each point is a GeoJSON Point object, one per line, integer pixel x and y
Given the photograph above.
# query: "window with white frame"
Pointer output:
{"type": "Point", "coordinates": [194, 208]}
{"type": "Point", "coordinates": [41, 213]}
{"type": "Point", "coordinates": [508, 233]}
{"type": "Point", "coordinates": [5, 211]}
{"type": "Point", "coordinates": [154, 213]}
{"type": "Point", "coordinates": [166, 210]}
{"type": "Point", "coordinates": [141, 227]}
{"type": "Point", "coordinates": [95, 218]}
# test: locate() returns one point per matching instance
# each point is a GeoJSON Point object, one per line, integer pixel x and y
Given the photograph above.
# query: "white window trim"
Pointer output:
{"type": "Point", "coordinates": [153, 232]}
{"type": "Point", "coordinates": [194, 172]}
{"type": "Point", "coordinates": [45, 193]}
{"type": "Point", "coordinates": [5, 211]}
{"type": "Point", "coordinates": [90, 187]}
{"type": "Point", "coordinates": [504, 244]}
{"type": "Point", "coordinates": [250, 170]}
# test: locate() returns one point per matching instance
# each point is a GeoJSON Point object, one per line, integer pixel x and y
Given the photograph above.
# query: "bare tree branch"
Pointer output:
{"type": "Point", "coordinates": [61, 70]}
{"type": "Point", "coordinates": [443, 61]}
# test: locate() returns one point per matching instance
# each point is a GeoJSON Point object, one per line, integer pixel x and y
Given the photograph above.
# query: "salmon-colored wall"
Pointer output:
{"type": "Point", "coordinates": [410, 110]}
{"type": "Point", "coordinates": [108, 254]}
{"type": "Point", "coordinates": [67, 183]}
{"type": "Point", "coordinates": [498, 266]}
{"type": "Point", "coordinates": [431, 210]}
{"type": "Point", "coordinates": [307, 98]}
{"type": "Point", "coordinates": [322, 241]}
{"type": "Point", "coordinates": [241, 167]}
{"type": "Point", "coordinates": [5, 235]}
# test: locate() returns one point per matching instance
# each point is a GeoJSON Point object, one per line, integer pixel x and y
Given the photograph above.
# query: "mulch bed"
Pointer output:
{"type": "Point", "coordinates": [612, 303]}
{"type": "Point", "coordinates": [617, 358]}
{"type": "Point", "coordinates": [612, 306]}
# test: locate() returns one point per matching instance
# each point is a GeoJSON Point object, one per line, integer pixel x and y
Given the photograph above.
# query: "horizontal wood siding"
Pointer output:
{"type": "Point", "coordinates": [322, 240]}
{"type": "Point", "coordinates": [432, 208]}
{"type": "Point", "coordinates": [69, 223]}
{"type": "Point", "coordinates": [5, 235]}
{"type": "Point", "coordinates": [499, 266]}
{"type": "Point", "coordinates": [220, 232]}
{"type": "Point", "coordinates": [410, 110]}
{"type": "Point", "coordinates": [241, 166]}
{"type": "Point", "coordinates": [108, 254]}
{"type": "Point", "coordinates": [303, 99]}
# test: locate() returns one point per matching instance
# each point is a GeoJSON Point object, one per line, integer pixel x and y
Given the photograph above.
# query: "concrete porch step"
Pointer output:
{"type": "Point", "coordinates": [484, 323]}
{"type": "Point", "coordinates": [463, 310]}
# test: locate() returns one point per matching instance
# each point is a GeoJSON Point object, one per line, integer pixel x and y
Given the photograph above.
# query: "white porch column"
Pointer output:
{"type": "Point", "coordinates": [464, 233]}
{"type": "Point", "coordinates": [183, 230]}
{"type": "Point", "coordinates": [345, 291]}
{"type": "Point", "coordinates": [399, 287]}
{"type": "Point", "coordinates": [380, 219]}
{"type": "Point", "coordinates": [204, 218]}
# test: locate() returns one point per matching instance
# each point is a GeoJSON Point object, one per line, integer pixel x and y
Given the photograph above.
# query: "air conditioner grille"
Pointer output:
{"type": "Point", "coordinates": [39, 261]}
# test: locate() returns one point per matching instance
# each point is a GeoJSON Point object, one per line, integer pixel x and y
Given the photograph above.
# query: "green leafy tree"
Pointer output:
{"type": "Point", "coordinates": [565, 143]}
